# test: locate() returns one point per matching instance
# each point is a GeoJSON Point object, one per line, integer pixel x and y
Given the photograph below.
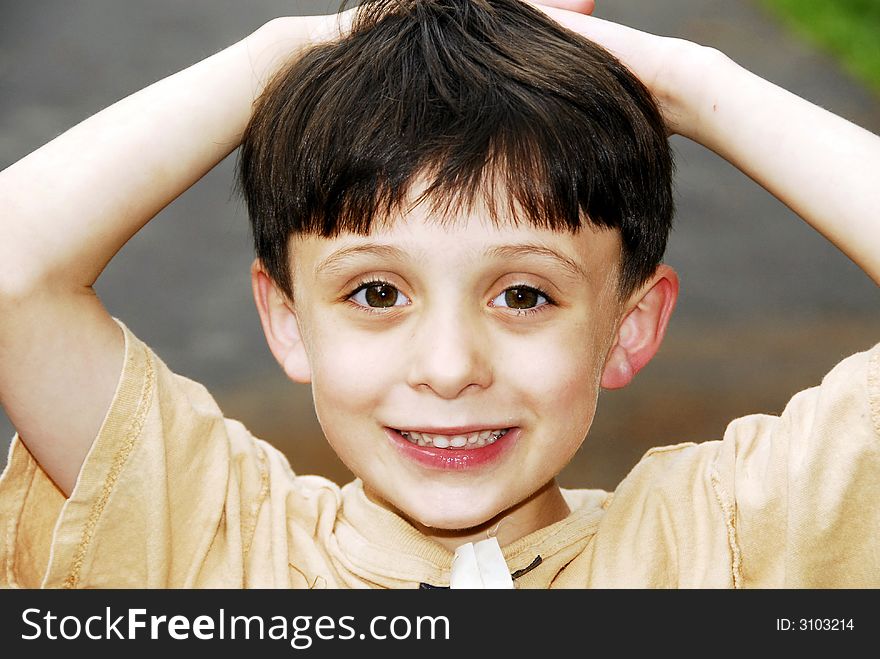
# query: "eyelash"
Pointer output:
{"type": "Point", "coordinates": [381, 282]}
{"type": "Point", "coordinates": [375, 281]}
{"type": "Point", "coordinates": [533, 310]}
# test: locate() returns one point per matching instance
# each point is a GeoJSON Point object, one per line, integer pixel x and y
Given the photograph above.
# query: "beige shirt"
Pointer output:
{"type": "Point", "coordinates": [174, 495]}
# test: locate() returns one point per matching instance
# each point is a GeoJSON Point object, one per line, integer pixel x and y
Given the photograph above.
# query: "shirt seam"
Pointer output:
{"type": "Point", "coordinates": [119, 460]}
{"type": "Point", "coordinates": [251, 528]}
{"type": "Point", "coordinates": [12, 527]}
{"type": "Point", "coordinates": [874, 391]}
{"type": "Point", "coordinates": [729, 513]}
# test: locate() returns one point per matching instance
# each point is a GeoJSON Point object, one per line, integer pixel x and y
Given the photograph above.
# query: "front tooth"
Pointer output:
{"type": "Point", "coordinates": [441, 442]}
{"type": "Point", "coordinates": [458, 441]}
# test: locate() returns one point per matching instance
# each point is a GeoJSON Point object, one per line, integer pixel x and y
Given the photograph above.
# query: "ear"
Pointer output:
{"type": "Point", "coordinates": [280, 325]}
{"type": "Point", "coordinates": [641, 331]}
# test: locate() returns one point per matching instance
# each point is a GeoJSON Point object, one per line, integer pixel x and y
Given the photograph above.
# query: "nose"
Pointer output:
{"type": "Point", "coordinates": [450, 353]}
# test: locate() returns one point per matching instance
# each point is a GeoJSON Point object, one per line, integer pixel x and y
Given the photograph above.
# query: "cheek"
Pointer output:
{"type": "Point", "coordinates": [350, 370]}
{"type": "Point", "coordinates": [560, 371]}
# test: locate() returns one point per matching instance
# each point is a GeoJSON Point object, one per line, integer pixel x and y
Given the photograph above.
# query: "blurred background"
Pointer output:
{"type": "Point", "coordinates": [766, 308]}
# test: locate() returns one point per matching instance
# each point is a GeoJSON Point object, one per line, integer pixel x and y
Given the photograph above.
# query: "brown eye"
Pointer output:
{"type": "Point", "coordinates": [521, 298]}
{"type": "Point", "coordinates": [378, 296]}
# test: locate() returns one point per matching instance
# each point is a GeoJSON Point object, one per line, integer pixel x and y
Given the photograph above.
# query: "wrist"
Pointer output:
{"type": "Point", "coordinates": [273, 45]}
{"type": "Point", "coordinates": [686, 87]}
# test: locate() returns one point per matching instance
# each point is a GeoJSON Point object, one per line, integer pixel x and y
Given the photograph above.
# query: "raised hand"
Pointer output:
{"type": "Point", "coordinates": [671, 68]}
{"type": "Point", "coordinates": [821, 166]}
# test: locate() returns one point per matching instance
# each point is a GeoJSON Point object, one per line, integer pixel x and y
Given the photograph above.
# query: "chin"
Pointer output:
{"type": "Point", "coordinates": [452, 517]}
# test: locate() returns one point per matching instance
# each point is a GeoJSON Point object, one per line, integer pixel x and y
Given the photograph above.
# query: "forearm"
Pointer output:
{"type": "Point", "coordinates": [823, 167]}
{"type": "Point", "coordinates": [72, 204]}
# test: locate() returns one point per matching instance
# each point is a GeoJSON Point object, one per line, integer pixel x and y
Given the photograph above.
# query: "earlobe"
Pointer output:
{"type": "Point", "coordinates": [641, 331]}
{"type": "Point", "coordinates": [280, 325]}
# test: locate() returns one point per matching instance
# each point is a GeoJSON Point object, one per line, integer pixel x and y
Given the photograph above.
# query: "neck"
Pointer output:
{"type": "Point", "coordinates": [544, 507]}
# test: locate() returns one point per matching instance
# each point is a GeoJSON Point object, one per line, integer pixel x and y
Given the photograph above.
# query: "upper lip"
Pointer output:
{"type": "Point", "coordinates": [451, 430]}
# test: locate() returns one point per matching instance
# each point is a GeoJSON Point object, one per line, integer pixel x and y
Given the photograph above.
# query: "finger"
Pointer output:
{"type": "Point", "coordinates": [579, 6]}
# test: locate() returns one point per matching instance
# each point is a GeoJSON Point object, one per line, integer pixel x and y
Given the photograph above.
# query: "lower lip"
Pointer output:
{"type": "Point", "coordinates": [450, 459]}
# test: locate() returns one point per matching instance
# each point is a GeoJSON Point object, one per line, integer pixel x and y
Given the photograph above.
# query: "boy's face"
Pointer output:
{"type": "Point", "coordinates": [419, 334]}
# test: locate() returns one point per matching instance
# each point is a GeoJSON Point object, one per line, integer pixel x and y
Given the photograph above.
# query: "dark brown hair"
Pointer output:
{"type": "Point", "coordinates": [489, 99]}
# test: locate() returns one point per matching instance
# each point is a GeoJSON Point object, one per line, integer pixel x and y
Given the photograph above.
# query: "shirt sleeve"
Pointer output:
{"type": "Point", "coordinates": [802, 490]}
{"type": "Point", "coordinates": [168, 496]}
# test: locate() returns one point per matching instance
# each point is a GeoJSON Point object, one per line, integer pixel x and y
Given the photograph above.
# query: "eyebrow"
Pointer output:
{"type": "Point", "coordinates": [518, 251]}
{"type": "Point", "coordinates": [337, 259]}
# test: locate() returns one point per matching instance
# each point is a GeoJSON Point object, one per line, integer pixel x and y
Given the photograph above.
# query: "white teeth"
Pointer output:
{"type": "Point", "coordinates": [470, 441]}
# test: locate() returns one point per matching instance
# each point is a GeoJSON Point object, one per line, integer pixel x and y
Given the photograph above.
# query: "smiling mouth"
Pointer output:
{"type": "Point", "coordinates": [464, 441]}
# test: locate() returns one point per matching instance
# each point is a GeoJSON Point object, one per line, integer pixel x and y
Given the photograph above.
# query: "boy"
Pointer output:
{"type": "Point", "coordinates": [455, 345]}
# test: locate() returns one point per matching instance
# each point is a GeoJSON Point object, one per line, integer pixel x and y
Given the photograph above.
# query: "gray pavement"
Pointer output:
{"type": "Point", "coordinates": [767, 306]}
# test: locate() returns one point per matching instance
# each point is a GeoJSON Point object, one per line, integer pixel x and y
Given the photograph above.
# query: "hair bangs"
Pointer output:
{"type": "Point", "coordinates": [487, 102]}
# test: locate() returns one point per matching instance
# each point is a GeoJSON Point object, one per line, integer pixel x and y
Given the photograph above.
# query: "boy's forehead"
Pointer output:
{"type": "Point", "coordinates": [455, 234]}
{"type": "Point", "coordinates": [590, 254]}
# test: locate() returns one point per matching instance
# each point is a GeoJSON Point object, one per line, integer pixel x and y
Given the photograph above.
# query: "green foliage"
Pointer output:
{"type": "Point", "coordinates": [849, 29]}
